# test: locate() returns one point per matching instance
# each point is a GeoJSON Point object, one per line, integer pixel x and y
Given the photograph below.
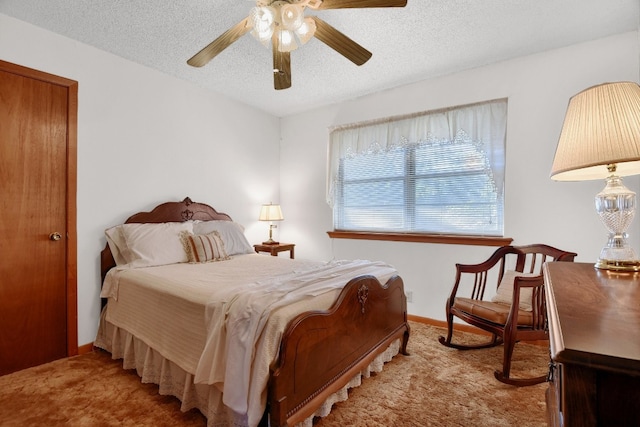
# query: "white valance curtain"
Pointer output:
{"type": "Point", "coordinates": [484, 123]}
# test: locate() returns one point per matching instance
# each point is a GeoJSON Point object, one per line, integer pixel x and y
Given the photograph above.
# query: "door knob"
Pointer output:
{"type": "Point", "coordinates": [55, 236]}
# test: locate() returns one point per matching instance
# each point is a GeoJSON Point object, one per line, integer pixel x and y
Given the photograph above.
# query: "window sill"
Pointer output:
{"type": "Point", "coordinates": [423, 238]}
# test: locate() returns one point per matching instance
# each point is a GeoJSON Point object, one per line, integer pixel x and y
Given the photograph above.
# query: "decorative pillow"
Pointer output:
{"type": "Point", "coordinates": [231, 233]}
{"type": "Point", "coordinates": [153, 244]}
{"type": "Point", "coordinates": [505, 290]}
{"type": "Point", "coordinates": [203, 247]}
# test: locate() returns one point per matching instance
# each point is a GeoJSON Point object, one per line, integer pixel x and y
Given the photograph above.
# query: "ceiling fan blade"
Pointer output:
{"type": "Point", "coordinates": [220, 44]}
{"type": "Point", "coordinates": [340, 43]}
{"type": "Point", "coordinates": [345, 4]}
{"type": "Point", "coordinates": [281, 66]}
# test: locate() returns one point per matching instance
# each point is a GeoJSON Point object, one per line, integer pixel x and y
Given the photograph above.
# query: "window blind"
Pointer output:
{"type": "Point", "coordinates": [414, 174]}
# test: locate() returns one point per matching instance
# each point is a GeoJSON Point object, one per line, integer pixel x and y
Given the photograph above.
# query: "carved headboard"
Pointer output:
{"type": "Point", "coordinates": [166, 212]}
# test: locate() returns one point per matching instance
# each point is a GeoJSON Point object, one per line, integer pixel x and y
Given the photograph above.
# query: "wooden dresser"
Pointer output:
{"type": "Point", "coordinates": [594, 334]}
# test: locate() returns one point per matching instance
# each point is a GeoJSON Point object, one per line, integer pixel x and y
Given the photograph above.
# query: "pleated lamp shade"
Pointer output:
{"type": "Point", "coordinates": [270, 213]}
{"type": "Point", "coordinates": [601, 128]}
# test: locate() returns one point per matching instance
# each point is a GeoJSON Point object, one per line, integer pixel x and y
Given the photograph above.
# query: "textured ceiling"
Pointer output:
{"type": "Point", "coordinates": [425, 39]}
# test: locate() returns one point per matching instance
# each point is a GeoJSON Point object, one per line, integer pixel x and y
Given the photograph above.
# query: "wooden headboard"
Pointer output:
{"type": "Point", "coordinates": [166, 212]}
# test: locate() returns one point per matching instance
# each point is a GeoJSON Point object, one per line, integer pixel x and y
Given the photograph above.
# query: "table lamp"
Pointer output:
{"type": "Point", "coordinates": [600, 139]}
{"type": "Point", "coordinates": [271, 213]}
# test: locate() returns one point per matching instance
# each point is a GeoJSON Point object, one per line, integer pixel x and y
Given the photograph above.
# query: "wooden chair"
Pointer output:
{"type": "Point", "coordinates": [517, 312]}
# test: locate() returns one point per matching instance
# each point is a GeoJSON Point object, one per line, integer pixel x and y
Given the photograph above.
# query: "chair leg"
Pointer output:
{"type": "Point", "coordinates": [509, 343]}
{"type": "Point", "coordinates": [447, 341]}
{"type": "Point", "coordinates": [503, 376]}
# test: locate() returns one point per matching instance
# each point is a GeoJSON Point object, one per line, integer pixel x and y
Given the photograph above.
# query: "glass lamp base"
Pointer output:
{"type": "Point", "coordinates": [616, 205]}
{"type": "Point", "coordinates": [618, 265]}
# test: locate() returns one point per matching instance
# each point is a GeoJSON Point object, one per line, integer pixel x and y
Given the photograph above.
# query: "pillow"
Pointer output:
{"type": "Point", "coordinates": [505, 290]}
{"type": "Point", "coordinates": [153, 244]}
{"type": "Point", "coordinates": [203, 247]}
{"type": "Point", "coordinates": [231, 233]}
{"type": "Point", "coordinates": [116, 244]}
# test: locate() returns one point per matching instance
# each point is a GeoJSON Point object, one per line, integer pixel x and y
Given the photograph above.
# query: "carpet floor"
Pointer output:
{"type": "Point", "coordinates": [433, 386]}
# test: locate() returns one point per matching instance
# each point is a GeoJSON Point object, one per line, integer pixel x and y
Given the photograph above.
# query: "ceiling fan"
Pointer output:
{"type": "Point", "coordinates": [282, 25]}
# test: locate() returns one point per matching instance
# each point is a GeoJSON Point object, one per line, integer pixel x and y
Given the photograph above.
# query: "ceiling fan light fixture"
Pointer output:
{"type": "Point", "coordinates": [288, 23]}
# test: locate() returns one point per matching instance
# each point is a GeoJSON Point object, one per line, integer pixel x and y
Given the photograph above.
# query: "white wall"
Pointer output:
{"type": "Point", "coordinates": [537, 209]}
{"type": "Point", "coordinates": [145, 138]}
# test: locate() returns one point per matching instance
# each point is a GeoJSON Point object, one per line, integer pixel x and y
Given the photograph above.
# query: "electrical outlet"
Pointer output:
{"type": "Point", "coordinates": [409, 296]}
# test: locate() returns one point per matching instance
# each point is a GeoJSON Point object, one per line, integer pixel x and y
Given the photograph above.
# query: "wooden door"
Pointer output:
{"type": "Point", "coordinates": [38, 308]}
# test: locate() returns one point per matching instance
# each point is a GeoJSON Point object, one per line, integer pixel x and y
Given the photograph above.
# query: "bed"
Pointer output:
{"type": "Point", "coordinates": [247, 339]}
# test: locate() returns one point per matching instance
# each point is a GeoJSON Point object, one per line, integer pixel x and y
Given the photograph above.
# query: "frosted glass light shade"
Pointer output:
{"type": "Point", "coordinates": [286, 41]}
{"type": "Point", "coordinates": [291, 16]}
{"type": "Point", "coordinates": [306, 31]}
{"type": "Point", "coordinates": [263, 21]}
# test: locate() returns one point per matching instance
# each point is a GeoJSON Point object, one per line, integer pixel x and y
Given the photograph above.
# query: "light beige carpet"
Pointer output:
{"type": "Point", "coordinates": [434, 386]}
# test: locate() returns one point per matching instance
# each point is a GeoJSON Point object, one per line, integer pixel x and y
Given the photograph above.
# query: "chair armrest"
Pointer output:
{"type": "Point", "coordinates": [525, 282]}
{"type": "Point", "coordinates": [528, 282]}
{"type": "Point", "coordinates": [537, 300]}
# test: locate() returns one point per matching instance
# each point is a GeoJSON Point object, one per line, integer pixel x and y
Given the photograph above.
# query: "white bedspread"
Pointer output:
{"type": "Point", "coordinates": [227, 318]}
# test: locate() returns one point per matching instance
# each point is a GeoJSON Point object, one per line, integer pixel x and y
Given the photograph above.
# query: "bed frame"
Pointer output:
{"type": "Point", "coordinates": [321, 351]}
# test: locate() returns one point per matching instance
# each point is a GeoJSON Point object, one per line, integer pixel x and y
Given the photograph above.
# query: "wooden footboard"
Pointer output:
{"type": "Point", "coordinates": [322, 350]}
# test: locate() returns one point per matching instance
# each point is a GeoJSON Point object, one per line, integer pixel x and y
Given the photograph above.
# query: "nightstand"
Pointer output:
{"type": "Point", "coordinates": [275, 248]}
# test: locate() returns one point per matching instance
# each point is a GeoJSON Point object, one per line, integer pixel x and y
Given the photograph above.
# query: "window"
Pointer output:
{"type": "Point", "coordinates": [435, 172]}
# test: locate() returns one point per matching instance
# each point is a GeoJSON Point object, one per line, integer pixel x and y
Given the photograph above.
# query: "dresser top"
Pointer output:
{"type": "Point", "coordinates": [594, 316]}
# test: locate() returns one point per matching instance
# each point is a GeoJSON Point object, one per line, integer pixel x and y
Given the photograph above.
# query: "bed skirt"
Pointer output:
{"type": "Point", "coordinates": [172, 380]}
